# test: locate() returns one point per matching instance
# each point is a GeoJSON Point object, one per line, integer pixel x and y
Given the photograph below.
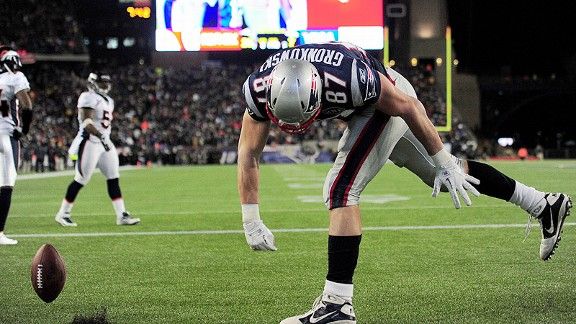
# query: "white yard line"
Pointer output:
{"type": "Point", "coordinates": [279, 230]}
{"type": "Point", "coordinates": [195, 213]}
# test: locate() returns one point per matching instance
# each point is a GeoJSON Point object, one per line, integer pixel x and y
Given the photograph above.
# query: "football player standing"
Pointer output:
{"type": "Point", "coordinates": [296, 86]}
{"type": "Point", "coordinates": [95, 149]}
{"type": "Point", "coordinates": [14, 100]}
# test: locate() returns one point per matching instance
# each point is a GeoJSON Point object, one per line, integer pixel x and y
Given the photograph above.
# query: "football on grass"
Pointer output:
{"type": "Point", "coordinates": [48, 273]}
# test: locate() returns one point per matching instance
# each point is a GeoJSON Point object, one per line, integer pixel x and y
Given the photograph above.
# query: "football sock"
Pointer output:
{"type": "Point", "coordinates": [66, 207]}
{"type": "Point", "coordinates": [345, 291]}
{"type": "Point", "coordinates": [114, 188]}
{"type": "Point", "coordinates": [493, 183]}
{"type": "Point", "coordinates": [528, 198]}
{"type": "Point", "coordinates": [72, 192]}
{"type": "Point", "coordinates": [342, 258]}
{"type": "Point", "coordinates": [5, 200]}
{"type": "Point", "coordinates": [118, 207]}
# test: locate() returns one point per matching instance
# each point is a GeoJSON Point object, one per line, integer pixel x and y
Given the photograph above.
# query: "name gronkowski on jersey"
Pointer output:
{"type": "Point", "coordinates": [350, 80]}
{"type": "Point", "coordinates": [10, 85]}
{"type": "Point", "coordinates": [103, 107]}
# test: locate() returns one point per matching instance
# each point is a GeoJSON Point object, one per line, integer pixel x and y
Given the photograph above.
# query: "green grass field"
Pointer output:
{"type": "Point", "coordinates": [188, 261]}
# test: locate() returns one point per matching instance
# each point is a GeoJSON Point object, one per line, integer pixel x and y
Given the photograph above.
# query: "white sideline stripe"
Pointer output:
{"type": "Point", "coordinates": [55, 174]}
{"type": "Point", "coordinates": [280, 230]}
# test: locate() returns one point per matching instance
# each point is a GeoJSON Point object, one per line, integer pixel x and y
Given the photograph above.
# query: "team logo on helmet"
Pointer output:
{"type": "Point", "coordinates": [293, 95]}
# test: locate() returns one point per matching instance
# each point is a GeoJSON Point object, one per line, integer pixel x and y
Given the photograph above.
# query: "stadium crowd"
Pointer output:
{"type": "Point", "coordinates": [170, 116]}
{"type": "Point", "coordinates": [165, 116]}
{"type": "Point", "coordinates": [45, 27]}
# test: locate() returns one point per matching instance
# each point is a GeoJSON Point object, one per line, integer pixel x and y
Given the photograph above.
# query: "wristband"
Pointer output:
{"type": "Point", "coordinates": [250, 213]}
{"type": "Point", "coordinates": [442, 158]}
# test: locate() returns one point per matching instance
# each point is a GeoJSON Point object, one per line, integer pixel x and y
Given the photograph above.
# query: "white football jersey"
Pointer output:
{"type": "Point", "coordinates": [10, 84]}
{"type": "Point", "coordinates": [103, 107]}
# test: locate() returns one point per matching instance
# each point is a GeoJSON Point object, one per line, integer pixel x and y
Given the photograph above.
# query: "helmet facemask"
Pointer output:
{"type": "Point", "coordinates": [100, 83]}
{"type": "Point", "coordinates": [293, 95]}
{"type": "Point", "coordinates": [10, 60]}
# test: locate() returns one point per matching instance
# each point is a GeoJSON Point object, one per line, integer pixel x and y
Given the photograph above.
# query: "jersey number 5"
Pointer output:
{"type": "Point", "coordinates": [105, 119]}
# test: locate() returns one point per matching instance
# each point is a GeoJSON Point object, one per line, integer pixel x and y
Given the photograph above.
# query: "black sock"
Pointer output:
{"type": "Point", "coordinates": [493, 183]}
{"type": "Point", "coordinates": [114, 188]}
{"type": "Point", "coordinates": [5, 200]}
{"type": "Point", "coordinates": [72, 191]}
{"type": "Point", "coordinates": [342, 257]}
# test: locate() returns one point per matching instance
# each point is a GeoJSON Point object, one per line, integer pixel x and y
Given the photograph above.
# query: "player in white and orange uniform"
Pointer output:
{"type": "Point", "coordinates": [95, 109]}
{"type": "Point", "coordinates": [14, 96]}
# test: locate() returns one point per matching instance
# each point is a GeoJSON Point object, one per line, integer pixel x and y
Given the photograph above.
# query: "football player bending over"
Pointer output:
{"type": "Point", "coordinates": [13, 85]}
{"type": "Point", "coordinates": [95, 109]}
{"type": "Point", "coordinates": [296, 86]}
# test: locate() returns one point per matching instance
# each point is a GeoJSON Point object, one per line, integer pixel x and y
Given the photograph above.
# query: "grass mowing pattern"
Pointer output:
{"type": "Point", "coordinates": [480, 275]}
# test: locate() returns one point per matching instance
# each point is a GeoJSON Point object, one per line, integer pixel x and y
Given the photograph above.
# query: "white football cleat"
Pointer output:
{"type": "Point", "coordinates": [326, 309]}
{"type": "Point", "coordinates": [7, 241]}
{"type": "Point", "coordinates": [551, 220]}
{"type": "Point", "coordinates": [127, 219]}
{"type": "Point", "coordinates": [64, 219]}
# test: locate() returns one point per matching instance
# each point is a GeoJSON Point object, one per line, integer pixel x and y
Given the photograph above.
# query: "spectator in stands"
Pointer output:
{"type": "Point", "coordinates": [48, 28]}
{"type": "Point", "coordinates": [522, 153]}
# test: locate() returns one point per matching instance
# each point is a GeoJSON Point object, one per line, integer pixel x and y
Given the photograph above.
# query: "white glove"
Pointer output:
{"type": "Point", "coordinates": [259, 236]}
{"type": "Point", "coordinates": [449, 174]}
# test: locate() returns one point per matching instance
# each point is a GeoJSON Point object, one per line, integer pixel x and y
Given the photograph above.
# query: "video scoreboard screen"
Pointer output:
{"type": "Point", "coordinates": [234, 25]}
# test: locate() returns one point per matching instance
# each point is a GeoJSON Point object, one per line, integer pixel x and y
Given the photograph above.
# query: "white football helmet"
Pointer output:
{"type": "Point", "coordinates": [101, 83]}
{"type": "Point", "coordinates": [293, 95]}
{"type": "Point", "coordinates": [9, 59]}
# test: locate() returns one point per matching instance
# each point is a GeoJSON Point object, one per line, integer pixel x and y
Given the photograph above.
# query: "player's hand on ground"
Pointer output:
{"type": "Point", "coordinates": [457, 182]}
{"type": "Point", "coordinates": [259, 236]}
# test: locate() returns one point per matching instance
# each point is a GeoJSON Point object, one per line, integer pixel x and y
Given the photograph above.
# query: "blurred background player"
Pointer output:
{"type": "Point", "coordinates": [296, 86]}
{"type": "Point", "coordinates": [95, 149]}
{"type": "Point", "coordinates": [14, 97]}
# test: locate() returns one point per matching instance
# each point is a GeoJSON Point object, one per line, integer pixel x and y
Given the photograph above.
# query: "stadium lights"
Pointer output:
{"type": "Point", "coordinates": [391, 63]}
{"type": "Point", "coordinates": [413, 61]}
{"type": "Point", "coordinates": [455, 62]}
{"type": "Point", "coordinates": [505, 141]}
{"type": "Point", "coordinates": [439, 61]}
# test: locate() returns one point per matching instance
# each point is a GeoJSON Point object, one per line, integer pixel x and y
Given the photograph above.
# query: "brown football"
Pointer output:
{"type": "Point", "coordinates": [48, 273]}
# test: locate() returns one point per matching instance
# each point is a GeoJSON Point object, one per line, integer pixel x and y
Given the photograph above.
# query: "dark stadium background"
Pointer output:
{"type": "Point", "coordinates": [521, 55]}
{"type": "Point", "coordinates": [421, 260]}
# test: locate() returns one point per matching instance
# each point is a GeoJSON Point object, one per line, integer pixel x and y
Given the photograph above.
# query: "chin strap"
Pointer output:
{"type": "Point", "coordinates": [294, 129]}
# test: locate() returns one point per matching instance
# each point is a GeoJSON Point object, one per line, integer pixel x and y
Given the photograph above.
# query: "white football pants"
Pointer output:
{"type": "Point", "coordinates": [370, 139]}
{"type": "Point", "coordinates": [9, 155]}
{"type": "Point", "coordinates": [91, 154]}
